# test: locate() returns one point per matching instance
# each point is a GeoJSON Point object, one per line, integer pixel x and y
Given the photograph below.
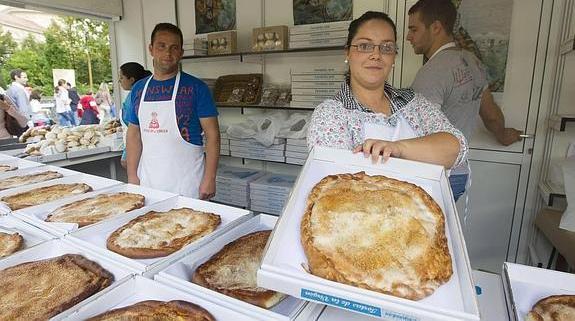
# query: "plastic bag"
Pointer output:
{"type": "Point", "coordinates": [295, 126]}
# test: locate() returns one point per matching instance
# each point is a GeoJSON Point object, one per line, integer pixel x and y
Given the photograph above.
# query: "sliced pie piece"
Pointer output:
{"type": "Point", "coordinates": [44, 194]}
{"type": "Point", "coordinates": [95, 209]}
{"type": "Point", "coordinates": [376, 233]}
{"type": "Point", "coordinates": [232, 271]}
{"type": "Point", "coordinates": [16, 181]}
{"type": "Point", "coordinates": [10, 243]}
{"type": "Point", "coordinates": [41, 289]}
{"type": "Point", "coordinates": [157, 310]}
{"type": "Point", "coordinates": [7, 168]}
{"type": "Point", "coordinates": [553, 308]}
{"type": "Point", "coordinates": [157, 234]}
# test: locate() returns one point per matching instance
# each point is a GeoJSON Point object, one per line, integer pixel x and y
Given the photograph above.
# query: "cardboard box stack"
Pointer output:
{"type": "Point", "coordinates": [195, 47]}
{"type": "Point", "coordinates": [224, 142]}
{"type": "Point", "coordinates": [318, 35]}
{"type": "Point", "coordinates": [232, 185]}
{"type": "Point", "coordinates": [250, 148]}
{"type": "Point", "coordinates": [311, 86]}
{"type": "Point", "coordinates": [269, 193]}
{"type": "Point", "coordinates": [296, 151]}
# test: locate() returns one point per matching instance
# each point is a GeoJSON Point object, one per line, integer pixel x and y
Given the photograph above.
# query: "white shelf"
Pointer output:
{"type": "Point", "coordinates": [550, 191]}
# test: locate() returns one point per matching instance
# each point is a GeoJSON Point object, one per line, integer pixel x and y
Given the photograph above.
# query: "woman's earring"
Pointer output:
{"type": "Point", "coordinates": [346, 61]}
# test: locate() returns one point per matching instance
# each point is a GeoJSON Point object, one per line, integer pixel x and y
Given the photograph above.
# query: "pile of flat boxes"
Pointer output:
{"type": "Point", "coordinates": [252, 149]}
{"type": "Point", "coordinates": [318, 35]}
{"type": "Point", "coordinates": [311, 86]}
{"type": "Point", "coordinates": [269, 193]}
{"type": "Point", "coordinates": [233, 185]}
{"type": "Point", "coordinates": [296, 151]}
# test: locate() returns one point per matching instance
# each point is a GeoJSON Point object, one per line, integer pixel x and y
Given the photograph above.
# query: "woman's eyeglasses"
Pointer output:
{"type": "Point", "coordinates": [386, 48]}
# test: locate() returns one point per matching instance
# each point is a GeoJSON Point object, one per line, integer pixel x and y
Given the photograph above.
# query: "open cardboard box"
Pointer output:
{"type": "Point", "coordinates": [95, 236]}
{"type": "Point", "coordinates": [179, 274]}
{"type": "Point", "coordinates": [31, 234]}
{"type": "Point", "coordinates": [526, 285]}
{"type": "Point", "coordinates": [282, 267]}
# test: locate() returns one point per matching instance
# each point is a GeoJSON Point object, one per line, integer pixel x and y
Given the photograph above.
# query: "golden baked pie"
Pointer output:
{"type": "Point", "coordinates": [232, 271]}
{"type": "Point", "coordinates": [10, 243]}
{"type": "Point", "coordinates": [157, 310]}
{"type": "Point", "coordinates": [157, 234]}
{"type": "Point", "coordinates": [16, 181]}
{"type": "Point", "coordinates": [44, 194]}
{"type": "Point", "coordinates": [553, 308]}
{"type": "Point", "coordinates": [95, 209]}
{"type": "Point", "coordinates": [7, 168]}
{"type": "Point", "coordinates": [39, 290]}
{"type": "Point", "coordinates": [376, 233]}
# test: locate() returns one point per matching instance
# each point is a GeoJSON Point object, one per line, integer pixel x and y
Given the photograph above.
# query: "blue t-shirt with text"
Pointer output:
{"type": "Point", "coordinates": [193, 101]}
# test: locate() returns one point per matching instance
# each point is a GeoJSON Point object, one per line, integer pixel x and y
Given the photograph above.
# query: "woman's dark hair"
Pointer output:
{"type": "Point", "coordinates": [134, 70]}
{"type": "Point", "coordinates": [443, 11]}
{"type": "Point", "coordinates": [168, 27]}
{"type": "Point", "coordinates": [369, 15]}
{"type": "Point", "coordinates": [36, 94]}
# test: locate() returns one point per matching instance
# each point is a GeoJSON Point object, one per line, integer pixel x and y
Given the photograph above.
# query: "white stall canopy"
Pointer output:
{"type": "Point", "coordinates": [108, 10]}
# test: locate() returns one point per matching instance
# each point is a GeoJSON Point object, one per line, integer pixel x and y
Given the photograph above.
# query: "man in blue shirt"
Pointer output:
{"type": "Point", "coordinates": [17, 92]}
{"type": "Point", "coordinates": [169, 111]}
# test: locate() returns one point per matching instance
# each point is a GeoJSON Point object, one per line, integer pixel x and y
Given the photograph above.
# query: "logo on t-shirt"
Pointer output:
{"type": "Point", "coordinates": [154, 124]}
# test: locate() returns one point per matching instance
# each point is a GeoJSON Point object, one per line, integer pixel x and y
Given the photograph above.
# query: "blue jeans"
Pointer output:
{"type": "Point", "coordinates": [67, 119]}
{"type": "Point", "coordinates": [458, 183]}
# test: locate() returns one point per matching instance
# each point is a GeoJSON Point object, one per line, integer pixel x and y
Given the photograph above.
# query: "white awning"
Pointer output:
{"type": "Point", "coordinates": [99, 9]}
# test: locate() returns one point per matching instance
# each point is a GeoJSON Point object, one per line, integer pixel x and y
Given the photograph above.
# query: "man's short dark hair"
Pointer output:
{"type": "Point", "coordinates": [168, 27]}
{"type": "Point", "coordinates": [436, 10]}
{"type": "Point", "coordinates": [16, 73]}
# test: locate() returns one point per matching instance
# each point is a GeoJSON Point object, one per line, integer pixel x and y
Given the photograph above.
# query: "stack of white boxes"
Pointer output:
{"type": "Point", "coordinates": [296, 151]}
{"type": "Point", "coordinates": [252, 149]}
{"type": "Point", "coordinates": [232, 185]}
{"type": "Point", "coordinates": [195, 47]}
{"type": "Point", "coordinates": [318, 35]}
{"type": "Point", "coordinates": [269, 193]}
{"type": "Point", "coordinates": [311, 86]}
{"type": "Point", "coordinates": [224, 143]}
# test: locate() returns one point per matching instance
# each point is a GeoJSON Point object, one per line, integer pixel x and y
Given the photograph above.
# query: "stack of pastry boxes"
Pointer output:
{"type": "Point", "coordinates": [296, 151]}
{"type": "Point", "coordinates": [284, 262]}
{"type": "Point", "coordinates": [233, 185]}
{"type": "Point", "coordinates": [252, 149]}
{"type": "Point", "coordinates": [224, 143]}
{"type": "Point", "coordinates": [195, 47]}
{"type": "Point", "coordinates": [318, 35]}
{"type": "Point", "coordinates": [269, 193]}
{"type": "Point", "coordinates": [311, 86]}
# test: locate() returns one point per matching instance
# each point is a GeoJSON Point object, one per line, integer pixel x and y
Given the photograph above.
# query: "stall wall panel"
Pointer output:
{"type": "Point", "coordinates": [153, 13]}
{"type": "Point", "coordinates": [105, 9]}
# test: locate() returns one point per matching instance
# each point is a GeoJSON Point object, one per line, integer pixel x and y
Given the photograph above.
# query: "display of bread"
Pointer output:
{"type": "Point", "coordinates": [553, 308]}
{"type": "Point", "coordinates": [7, 168]}
{"type": "Point", "coordinates": [10, 243]}
{"type": "Point", "coordinates": [57, 139]}
{"type": "Point", "coordinates": [232, 271]}
{"type": "Point", "coordinates": [95, 209]}
{"type": "Point", "coordinates": [157, 310]}
{"type": "Point", "coordinates": [21, 180]}
{"type": "Point", "coordinates": [157, 234]}
{"type": "Point", "coordinates": [44, 194]}
{"type": "Point", "coordinates": [376, 233]}
{"type": "Point", "coordinates": [41, 289]}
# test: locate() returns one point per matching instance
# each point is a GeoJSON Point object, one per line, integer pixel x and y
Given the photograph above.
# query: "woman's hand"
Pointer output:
{"type": "Point", "coordinates": [377, 147]}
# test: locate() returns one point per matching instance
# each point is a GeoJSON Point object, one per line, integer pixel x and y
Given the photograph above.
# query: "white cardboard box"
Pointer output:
{"type": "Point", "coordinates": [58, 247]}
{"type": "Point", "coordinates": [318, 27]}
{"type": "Point", "coordinates": [37, 215]}
{"type": "Point", "coordinates": [319, 35]}
{"type": "Point", "coordinates": [526, 285]}
{"type": "Point", "coordinates": [315, 84]}
{"type": "Point", "coordinates": [31, 234]}
{"type": "Point", "coordinates": [260, 156]}
{"type": "Point", "coordinates": [282, 269]}
{"type": "Point", "coordinates": [318, 93]}
{"type": "Point", "coordinates": [301, 79]}
{"type": "Point", "coordinates": [94, 237]}
{"type": "Point", "coordinates": [137, 289]}
{"type": "Point", "coordinates": [297, 142]}
{"type": "Point", "coordinates": [234, 142]}
{"type": "Point", "coordinates": [178, 274]}
{"type": "Point", "coordinates": [298, 149]}
{"type": "Point", "coordinates": [18, 163]}
{"type": "Point", "coordinates": [95, 182]}
{"type": "Point", "coordinates": [36, 170]}
{"type": "Point", "coordinates": [491, 297]}
{"type": "Point", "coordinates": [256, 150]}
{"type": "Point", "coordinates": [297, 161]}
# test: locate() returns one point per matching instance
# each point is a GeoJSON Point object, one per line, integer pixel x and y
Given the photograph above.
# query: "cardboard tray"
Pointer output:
{"type": "Point", "coordinates": [178, 274]}
{"type": "Point", "coordinates": [37, 169]}
{"type": "Point", "coordinates": [36, 215]}
{"type": "Point", "coordinates": [59, 247]}
{"type": "Point", "coordinates": [18, 163]}
{"type": "Point", "coordinates": [95, 182]}
{"type": "Point", "coordinates": [95, 236]}
{"type": "Point", "coordinates": [282, 269]}
{"type": "Point", "coordinates": [137, 289]}
{"type": "Point", "coordinates": [526, 285]}
{"type": "Point", "coordinates": [31, 234]}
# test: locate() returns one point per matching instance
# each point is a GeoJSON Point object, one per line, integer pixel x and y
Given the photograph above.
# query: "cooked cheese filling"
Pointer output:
{"type": "Point", "coordinates": [237, 276]}
{"type": "Point", "coordinates": [162, 229]}
{"type": "Point", "coordinates": [96, 208]}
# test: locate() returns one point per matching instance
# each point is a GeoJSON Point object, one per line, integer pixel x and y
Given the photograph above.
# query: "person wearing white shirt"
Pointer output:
{"type": "Point", "coordinates": [63, 105]}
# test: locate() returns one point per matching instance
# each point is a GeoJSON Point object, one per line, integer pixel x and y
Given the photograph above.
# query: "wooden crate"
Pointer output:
{"type": "Point", "coordinates": [238, 90]}
{"type": "Point", "coordinates": [270, 38]}
{"type": "Point", "coordinates": [220, 43]}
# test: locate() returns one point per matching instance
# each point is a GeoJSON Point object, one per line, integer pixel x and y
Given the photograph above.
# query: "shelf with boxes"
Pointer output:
{"type": "Point", "coordinates": [251, 53]}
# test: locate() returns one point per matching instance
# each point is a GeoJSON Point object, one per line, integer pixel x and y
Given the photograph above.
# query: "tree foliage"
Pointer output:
{"type": "Point", "coordinates": [68, 43]}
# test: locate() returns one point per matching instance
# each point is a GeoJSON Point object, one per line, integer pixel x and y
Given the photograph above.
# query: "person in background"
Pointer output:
{"type": "Point", "coordinates": [129, 74]}
{"type": "Point", "coordinates": [104, 101]}
{"type": "Point", "coordinates": [453, 78]}
{"type": "Point", "coordinates": [7, 106]}
{"type": "Point", "coordinates": [17, 91]}
{"type": "Point", "coordinates": [88, 110]}
{"type": "Point", "coordinates": [168, 113]}
{"type": "Point", "coordinates": [63, 104]}
{"type": "Point", "coordinates": [41, 116]}
{"type": "Point", "coordinates": [368, 115]}
{"type": "Point", "coordinates": [74, 100]}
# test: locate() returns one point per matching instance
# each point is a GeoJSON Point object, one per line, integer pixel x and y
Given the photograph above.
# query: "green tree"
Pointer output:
{"type": "Point", "coordinates": [7, 47]}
